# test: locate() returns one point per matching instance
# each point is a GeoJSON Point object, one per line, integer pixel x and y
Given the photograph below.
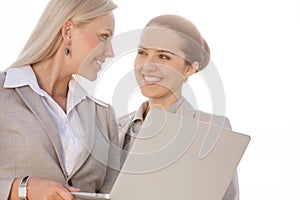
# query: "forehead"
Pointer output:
{"type": "Point", "coordinates": [162, 39]}
{"type": "Point", "coordinates": [105, 22]}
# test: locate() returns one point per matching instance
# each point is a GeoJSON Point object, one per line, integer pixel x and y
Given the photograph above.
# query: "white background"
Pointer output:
{"type": "Point", "coordinates": [255, 46]}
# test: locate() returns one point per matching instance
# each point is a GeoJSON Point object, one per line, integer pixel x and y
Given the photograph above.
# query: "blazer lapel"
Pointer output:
{"type": "Point", "coordinates": [37, 107]}
{"type": "Point", "coordinates": [86, 116]}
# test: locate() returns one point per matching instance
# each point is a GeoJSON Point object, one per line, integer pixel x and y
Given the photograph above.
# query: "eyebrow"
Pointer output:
{"type": "Point", "coordinates": [159, 51]}
{"type": "Point", "coordinates": [165, 51]}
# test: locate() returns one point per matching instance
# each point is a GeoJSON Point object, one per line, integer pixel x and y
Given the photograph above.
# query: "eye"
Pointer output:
{"type": "Point", "coordinates": [141, 52]}
{"type": "Point", "coordinates": [104, 36]}
{"type": "Point", "coordinates": [164, 57]}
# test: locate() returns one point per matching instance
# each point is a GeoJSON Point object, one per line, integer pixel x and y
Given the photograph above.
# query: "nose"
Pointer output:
{"type": "Point", "coordinates": [109, 50]}
{"type": "Point", "coordinates": [150, 59]}
{"type": "Point", "coordinates": [149, 67]}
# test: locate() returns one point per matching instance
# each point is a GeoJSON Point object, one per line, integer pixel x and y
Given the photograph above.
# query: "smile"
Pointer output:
{"type": "Point", "coordinates": [152, 79]}
{"type": "Point", "coordinates": [99, 62]}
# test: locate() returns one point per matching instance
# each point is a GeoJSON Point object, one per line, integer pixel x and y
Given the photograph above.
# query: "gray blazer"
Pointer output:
{"type": "Point", "coordinates": [30, 143]}
{"type": "Point", "coordinates": [186, 109]}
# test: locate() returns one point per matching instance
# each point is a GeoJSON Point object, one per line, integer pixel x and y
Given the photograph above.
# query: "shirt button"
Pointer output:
{"type": "Point", "coordinates": [70, 182]}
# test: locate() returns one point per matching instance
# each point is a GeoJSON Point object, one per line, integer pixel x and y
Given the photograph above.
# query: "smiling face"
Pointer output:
{"type": "Point", "coordinates": [91, 45]}
{"type": "Point", "coordinates": [159, 73]}
{"type": "Point", "coordinates": [160, 67]}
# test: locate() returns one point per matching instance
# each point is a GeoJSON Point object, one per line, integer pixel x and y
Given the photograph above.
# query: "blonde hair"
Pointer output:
{"type": "Point", "coordinates": [194, 46]}
{"type": "Point", "coordinates": [46, 37]}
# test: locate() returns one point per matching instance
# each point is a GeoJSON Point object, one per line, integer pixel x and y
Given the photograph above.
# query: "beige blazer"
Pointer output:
{"type": "Point", "coordinates": [186, 109]}
{"type": "Point", "coordinates": [30, 143]}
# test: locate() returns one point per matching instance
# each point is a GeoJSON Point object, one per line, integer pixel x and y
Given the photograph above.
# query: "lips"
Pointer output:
{"type": "Point", "coordinates": [151, 79]}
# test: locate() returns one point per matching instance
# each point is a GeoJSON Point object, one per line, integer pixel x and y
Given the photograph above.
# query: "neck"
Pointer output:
{"type": "Point", "coordinates": [53, 79]}
{"type": "Point", "coordinates": [163, 102]}
{"type": "Point", "coordinates": [52, 75]}
{"type": "Point", "coordinates": [50, 80]}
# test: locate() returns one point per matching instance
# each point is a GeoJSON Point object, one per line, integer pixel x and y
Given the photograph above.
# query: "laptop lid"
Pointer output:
{"type": "Point", "coordinates": [175, 157]}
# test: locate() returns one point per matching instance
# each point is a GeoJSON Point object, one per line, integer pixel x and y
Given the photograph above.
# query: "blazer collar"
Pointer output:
{"type": "Point", "coordinates": [185, 109]}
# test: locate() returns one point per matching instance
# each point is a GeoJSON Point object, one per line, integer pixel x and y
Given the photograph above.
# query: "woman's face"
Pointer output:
{"type": "Point", "coordinates": [160, 67]}
{"type": "Point", "coordinates": [159, 73]}
{"type": "Point", "coordinates": [91, 45]}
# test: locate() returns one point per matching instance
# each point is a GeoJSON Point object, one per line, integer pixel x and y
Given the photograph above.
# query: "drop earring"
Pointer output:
{"type": "Point", "coordinates": [67, 51]}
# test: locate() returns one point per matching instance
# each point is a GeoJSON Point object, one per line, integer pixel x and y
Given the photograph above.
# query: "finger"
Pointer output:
{"type": "Point", "coordinates": [64, 193]}
{"type": "Point", "coordinates": [71, 189]}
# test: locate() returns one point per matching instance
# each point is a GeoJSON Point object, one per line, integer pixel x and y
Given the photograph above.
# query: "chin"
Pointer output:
{"type": "Point", "coordinates": [90, 76]}
{"type": "Point", "coordinates": [150, 92]}
{"type": "Point", "coordinates": [93, 78]}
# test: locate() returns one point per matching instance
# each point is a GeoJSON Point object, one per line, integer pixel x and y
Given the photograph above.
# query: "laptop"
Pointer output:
{"type": "Point", "coordinates": [175, 157]}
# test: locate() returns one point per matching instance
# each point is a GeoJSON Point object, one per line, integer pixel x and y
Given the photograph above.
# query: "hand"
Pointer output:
{"type": "Point", "coordinates": [43, 189]}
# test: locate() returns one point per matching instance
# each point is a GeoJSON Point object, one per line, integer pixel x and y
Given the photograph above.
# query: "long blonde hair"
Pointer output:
{"type": "Point", "coordinates": [46, 37]}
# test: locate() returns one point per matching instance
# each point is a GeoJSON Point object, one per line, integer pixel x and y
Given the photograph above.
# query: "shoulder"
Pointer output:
{"type": "Point", "coordinates": [2, 81]}
{"type": "Point", "coordinates": [126, 120]}
{"type": "Point", "coordinates": [124, 124]}
{"type": "Point", "coordinates": [99, 102]}
{"type": "Point", "coordinates": [104, 111]}
{"type": "Point", "coordinates": [2, 77]}
{"type": "Point", "coordinates": [218, 120]}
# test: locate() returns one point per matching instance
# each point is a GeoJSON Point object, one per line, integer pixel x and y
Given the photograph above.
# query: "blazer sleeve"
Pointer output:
{"type": "Point", "coordinates": [232, 192]}
{"type": "Point", "coordinates": [113, 165]}
{"type": "Point", "coordinates": [5, 188]}
{"type": "Point", "coordinates": [5, 183]}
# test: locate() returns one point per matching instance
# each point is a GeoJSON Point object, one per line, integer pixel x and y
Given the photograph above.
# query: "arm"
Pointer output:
{"type": "Point", "coordinates": [113, 165]}
{"type": "Point", "coordinates": [232, 192]}
{"type": "Point", "coordinates": [5, 188]}
{"type": "Point", "coordinates": [42, 189]}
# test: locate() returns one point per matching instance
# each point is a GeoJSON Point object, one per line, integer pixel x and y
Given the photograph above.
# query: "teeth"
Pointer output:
{"type": "Point", "coordinates": [99, 63]}
{"type": "Point", "coordinates": [152, 78]}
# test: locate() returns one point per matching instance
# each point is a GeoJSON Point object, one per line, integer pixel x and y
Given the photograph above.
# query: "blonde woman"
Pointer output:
{"type": "Point", "coordinates": [171, 49]}
{"type": "Point", "coordinates": [55, 138]}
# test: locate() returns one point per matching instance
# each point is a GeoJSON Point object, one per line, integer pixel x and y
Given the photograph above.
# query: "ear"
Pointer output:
{"type": "Point", "coordinates": [66, 32]}
{"type": "Point", "coordinates": [191, 69]}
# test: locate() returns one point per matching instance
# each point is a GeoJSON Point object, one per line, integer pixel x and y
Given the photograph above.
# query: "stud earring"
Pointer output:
{"type": "Point", "coordinates": [67, 51]}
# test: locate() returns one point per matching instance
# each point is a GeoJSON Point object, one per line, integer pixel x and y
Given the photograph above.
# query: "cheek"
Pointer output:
{"type": "Point", "coordinates": [138, 75]}
{"type": "Point", "coordinates": [172, 72]}
{"type": "Point", "coordinates": [180, 67]}
{"type": "Point", "coordinates": [179, 73]}
{"type": "Point", "coordinates": [83, 45]}
{"type": "Point", "coordinates": [173, 80]}
{"type": "Point", "coordinates": [138, 62]}
{"type": "Point", "coordinates": [137, 68]}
